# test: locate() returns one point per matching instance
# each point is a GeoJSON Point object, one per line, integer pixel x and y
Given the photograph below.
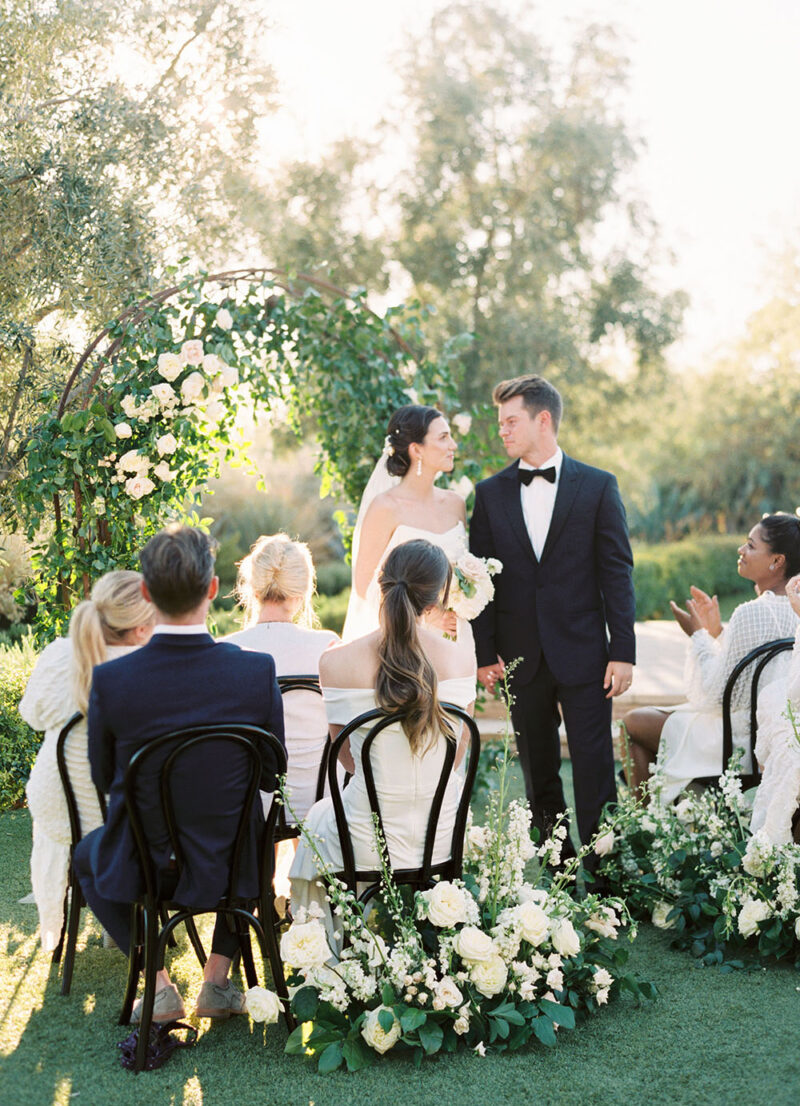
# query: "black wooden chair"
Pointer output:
{"type": "Point", "coordinates": [148, 945]}
{"type": "Point", "coordinates": [423, 876]}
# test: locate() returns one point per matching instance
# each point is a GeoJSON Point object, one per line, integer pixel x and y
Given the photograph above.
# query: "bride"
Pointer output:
{"type": "Point", "coordinates": [401, 502]}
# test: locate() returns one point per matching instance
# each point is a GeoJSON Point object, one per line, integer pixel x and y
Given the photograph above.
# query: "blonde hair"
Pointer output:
{"type": "Point", "coordinates": [116, 605]}
{"type": "Point", "coordinates": [276, 569]}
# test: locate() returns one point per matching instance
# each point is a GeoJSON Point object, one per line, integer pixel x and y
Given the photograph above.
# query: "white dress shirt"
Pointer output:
{"type": "Point", "coordinates": [538, 499]}
{"type": "Point", "coordinates": [180, 628]}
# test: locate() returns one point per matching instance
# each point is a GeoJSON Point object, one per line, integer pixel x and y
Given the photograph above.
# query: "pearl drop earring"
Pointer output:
{"type": "Point", "coordinates": [419, 466]}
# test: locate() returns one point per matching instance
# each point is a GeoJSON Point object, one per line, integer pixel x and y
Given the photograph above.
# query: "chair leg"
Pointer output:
{"type": "Point", "coordinates": [270, 954]}
{"type": "Point", "coordinates": [134, 966]}
{"type": "Point", "coordinates": [56, 957]}
{"type": "Point", "coordinates": [197, 944]}
{"type": "Point", "coordinates": [148, 997]}
{"type": "Point", "coordinates": [246, 949]}
{"type": "Point", "coordinates": [76, 902]}
{"type": "Point", "coordinates": [164, 916]}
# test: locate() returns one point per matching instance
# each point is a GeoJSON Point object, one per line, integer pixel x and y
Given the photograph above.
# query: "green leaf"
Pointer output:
{"type": "Point", "coordinates": [431, 1035]}
{"type": "Point", "coordinates": [385, 1020]}
{"type": "Point", "coordinates": [388, 996]}
{"type": "Point", "coordinates": [543, 1028]}
{"type": "Point", "coordinates": [296, 1044]}
{"type": "Point", "coordinates": [561, 1015]}
{"type": "Point", "coordinates": [412, 1018]}
{"type": "Point", "coordinates": [331, 1058]}
{"type": "Point", "coordinates": [356, 1054]}
{"type": "Point", "coordinates": [305, 1004]}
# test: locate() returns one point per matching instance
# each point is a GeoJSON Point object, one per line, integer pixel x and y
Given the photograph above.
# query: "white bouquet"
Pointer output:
{"type": "Point", "coordinates": [472, 586]}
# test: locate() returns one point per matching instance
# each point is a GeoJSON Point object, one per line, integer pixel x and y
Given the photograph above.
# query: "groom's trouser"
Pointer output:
{"type": "Point", "coordinates": [587, 717]}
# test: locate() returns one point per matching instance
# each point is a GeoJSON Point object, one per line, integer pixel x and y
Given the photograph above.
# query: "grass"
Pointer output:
{"type": "Point", "coordinates": [710, 1038]}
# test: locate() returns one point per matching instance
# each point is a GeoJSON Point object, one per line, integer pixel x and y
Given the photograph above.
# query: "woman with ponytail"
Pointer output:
{"type": "Point", "coordinates": [116, 619]}
{"type": "Point", "coordinates": [404, 666]}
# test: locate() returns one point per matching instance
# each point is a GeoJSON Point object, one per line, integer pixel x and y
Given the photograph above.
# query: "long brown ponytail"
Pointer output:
{"type": "Point", "coordinates": [416, 575]}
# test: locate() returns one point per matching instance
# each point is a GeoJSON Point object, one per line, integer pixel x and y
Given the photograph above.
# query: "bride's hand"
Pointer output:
{"type": "Point", "coordinates": [446, 621]}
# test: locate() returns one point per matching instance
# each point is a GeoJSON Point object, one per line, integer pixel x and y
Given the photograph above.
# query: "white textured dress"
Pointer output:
{"type": "Point", "coordinates": [778, 750]}
{"type": "Point", "coordinates": [47, 705]}
{"type": "Point", "coordinates": [691, 741]}
{"type": "Point", "coordinates": [405, 782]}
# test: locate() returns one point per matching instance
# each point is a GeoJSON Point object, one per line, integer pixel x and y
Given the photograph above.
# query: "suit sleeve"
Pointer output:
{"type": "Point", "coordinates": [615, 573]}
{"type": "Point", "coordinates": [101, 740]}
{"type": "Point", "coordinates": [273, 723]}
{"type": "Point", "coordinates": [481, 544]}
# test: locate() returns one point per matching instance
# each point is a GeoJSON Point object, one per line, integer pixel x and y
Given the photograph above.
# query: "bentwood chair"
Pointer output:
{"type": "Point", "coordinates": [423, 876]}
{"type": "Point", "coordinates": [164, 763]}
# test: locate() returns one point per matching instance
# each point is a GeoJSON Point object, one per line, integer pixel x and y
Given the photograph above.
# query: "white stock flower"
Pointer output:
{"type": "Point", "coordinates": [139, 486]}
{"type": "Point", "coordinates": [447, 905]}
{"type": "Point", "coordinates": [170, 366]}
{"type": "Point", "coordinates": [758, 858]}
{"type": "Point", "coordinates": [476, 840]}
{"type": "Point", "coordinates": [472, 943]}
{"type": "Point", "coordinates": [684, 811]}
{"type": "Point", "coordinates": [262, 1005]}
{"type": "Point", "coordinates": [565, 939]}
{"type": "Point", "coordinates": [224, 318]}
{"type": "Point", "coordinates": [192, 387]}
{"type": "Point", "coordinates": [605, 844]}
{"type": "Point", "coordinates": [166, 445]}
{"type": "Point", "coordinates": [305, 945]}
{"type": "Point", "coordinates": [164, 472]}
{"type": "Point", "coordinates": [165, 394]}
{"type": "Point", "coordinates": [534, 923]}
{"type": "Point", "coordinates": [462, 422]}
{"type": "Point", "coordinates": [375, 1035]}
{"type": "Point", "coordinates": [448, 993]}
{"type": "Point", "coordinates": [192, 352]}
{"type": "Point", "coordinates": [123, 430]}
{"type": "Point", "coordinates": [489, 976]}
{"type": "Point", "coordinates": [529, 893]}
{"type": "Point", "coordinates": [753, 912]}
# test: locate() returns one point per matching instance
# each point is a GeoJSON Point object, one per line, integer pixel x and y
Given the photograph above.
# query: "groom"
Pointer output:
{"type": "Point", "coordinates": [564, 602]}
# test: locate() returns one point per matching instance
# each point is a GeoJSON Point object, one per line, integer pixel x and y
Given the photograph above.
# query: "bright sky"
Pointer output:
{"type": "Point", "coordinates": [714, 92]}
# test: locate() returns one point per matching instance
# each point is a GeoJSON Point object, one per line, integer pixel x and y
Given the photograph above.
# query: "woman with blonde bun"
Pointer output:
{"type": "Point", "coordinates": [275, 585]}
{"type": "Point", "coordinates": [114, 621]}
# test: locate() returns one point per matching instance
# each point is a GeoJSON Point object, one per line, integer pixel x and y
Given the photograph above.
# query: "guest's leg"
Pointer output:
{"type": "Point", "coordinates": [115, 917]}
{"type": "Point", "coordinates": [587, 716]}
{"type": "Point", "coordinates": [644, 726]}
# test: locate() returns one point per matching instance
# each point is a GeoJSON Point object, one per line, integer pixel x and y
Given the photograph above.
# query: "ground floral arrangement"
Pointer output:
{"type": "Point", "coordinates": [488, 962]}
{"type": "Point", "coordinates": [695, 868]}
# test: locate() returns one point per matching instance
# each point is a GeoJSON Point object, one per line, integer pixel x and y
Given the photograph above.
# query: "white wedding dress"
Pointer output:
{"type": "Point", "coordinates": [778, 751]}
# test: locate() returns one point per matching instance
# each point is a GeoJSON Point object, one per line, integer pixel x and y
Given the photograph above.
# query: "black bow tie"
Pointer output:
{"type": "Point", "coordinates": [526, 475]}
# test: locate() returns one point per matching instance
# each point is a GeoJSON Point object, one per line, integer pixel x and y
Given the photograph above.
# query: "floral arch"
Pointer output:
{"type": "Point", "coordinates": [149, 411]}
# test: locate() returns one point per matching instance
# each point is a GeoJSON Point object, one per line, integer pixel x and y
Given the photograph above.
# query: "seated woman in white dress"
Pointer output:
{"type": "Point", "coordinates": [688, 739]}
{"type": "Point", "coordinates": [114, 621]}
{"type": "Point", "coordinates": [275, 585]}
{"type": "Point", "coordinates": [404, 666]}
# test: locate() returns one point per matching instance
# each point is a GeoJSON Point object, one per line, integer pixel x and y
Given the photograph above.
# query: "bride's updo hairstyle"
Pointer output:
{"type": "Point", "coordinates": [276, 569]}
{"type": "Point", "coordinates": [116, 605]}
{"type": "Point", "coordinates": [781, 532]}
{"type": "Point", "coordinates": [408, 424]}
{"type": "Point", "coordinates": [416, 575]}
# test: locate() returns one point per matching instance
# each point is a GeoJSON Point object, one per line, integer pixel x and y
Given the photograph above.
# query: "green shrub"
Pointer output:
{"type": "Point", "coordinates": [664, 572]}
{"type": "Point", "coordinates": [18, 742]}
{"type": "Point", "coordinates": [331, 610]}
{"type": "Point", "coordinates": [332, 577]}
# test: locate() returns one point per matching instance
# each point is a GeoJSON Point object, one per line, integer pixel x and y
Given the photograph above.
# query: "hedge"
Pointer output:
{"type": "Point", "coordinates": [664, 572]}
{"type": "Point", "coordinates": [19, 744]}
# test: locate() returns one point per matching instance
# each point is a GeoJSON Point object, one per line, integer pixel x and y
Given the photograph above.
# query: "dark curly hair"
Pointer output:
{"type": "Point", "coordinates": [781, 532]}
{"type": "Point", "coordinates": [408, 424]}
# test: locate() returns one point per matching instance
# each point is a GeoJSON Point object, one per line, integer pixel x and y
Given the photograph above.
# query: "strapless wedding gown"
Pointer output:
{"type": "Point", "coordinates": [362, 614]}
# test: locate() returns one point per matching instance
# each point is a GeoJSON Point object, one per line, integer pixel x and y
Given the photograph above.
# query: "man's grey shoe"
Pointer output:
{"type": "Point", "coordinates": [167, 1006]}
{"type": "Point", "coordinates": [219, 1002]}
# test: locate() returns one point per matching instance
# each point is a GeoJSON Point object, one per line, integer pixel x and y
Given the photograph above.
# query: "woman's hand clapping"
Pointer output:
{"type": "Point", "coordinates": [793, 593]}
{"type": "Point", "coordinates": [701, 613]}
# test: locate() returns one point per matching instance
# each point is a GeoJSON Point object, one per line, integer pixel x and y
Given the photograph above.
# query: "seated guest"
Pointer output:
{"type": "Point", "coordinates": [275, 585]}
{"type": "Point", "coordinates": [688, 739]}
{"type": "Point", "coordinates": [403, 666]}
{"type": "Point", "coordinates": [112, 623]}
{"type": "Point", "coordinates": [180, 678]}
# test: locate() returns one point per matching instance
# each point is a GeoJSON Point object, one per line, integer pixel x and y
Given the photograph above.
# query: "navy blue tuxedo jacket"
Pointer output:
{"type": "Point", "coordinates": [175, 681]}
{"type": "Point", "coordinates": [576, 605]}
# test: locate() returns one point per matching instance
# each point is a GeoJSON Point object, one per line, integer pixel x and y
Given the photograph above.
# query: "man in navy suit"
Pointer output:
{"type": "Point", "coordinates": [182, 677]}
{"type": "Point", "coordinates": [564, 602]}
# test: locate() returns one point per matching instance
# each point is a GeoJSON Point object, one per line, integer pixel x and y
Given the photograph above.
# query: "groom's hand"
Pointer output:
{"type": "Point", "coordinates": [491, 674]}
{"type": "Point", "coordinates": [618, 678]}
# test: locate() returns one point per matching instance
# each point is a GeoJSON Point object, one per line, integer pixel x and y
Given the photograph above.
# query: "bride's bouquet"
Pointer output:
{"type": "Point", "coordinates": [472, 586]}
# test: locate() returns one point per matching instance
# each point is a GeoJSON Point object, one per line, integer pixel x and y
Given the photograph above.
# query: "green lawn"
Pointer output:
{"type": "Point", "coordinates": [711, 1037]}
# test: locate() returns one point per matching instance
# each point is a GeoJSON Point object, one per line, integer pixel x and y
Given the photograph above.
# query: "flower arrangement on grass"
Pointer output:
{"type": "Point", "coordinates": [490, 961]}
{"type": "Point", "coordinates": [694, 868]}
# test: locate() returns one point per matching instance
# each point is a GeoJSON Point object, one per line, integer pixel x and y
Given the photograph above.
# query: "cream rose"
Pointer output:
{"type": "Point", "coordinates": [123, 430]}
{"type": "Point", "coordinates": [166, 445]}
{"type": "Point", "coordinates": [211, 364]}
{"type": "Point", "coordinates": [375, 1035]}
{"type": "Point", "coordinates": [305, 945]}
{"type": "Point", "coordinates": [534, 923]}
{"type": "Point", "coordinates": [139, 486]}
{"type": "Point", "coordinates": [565, 939]}
{"type": "Point", "coordinates": [170, 366]}
{"type": "Point", "coordinates": [447, 905]}
{"type": "Point", "coordinates": [230, 376]}
{"type": "Point", "coordinates": [192, 352]}
{"type": "Point", "coordinates": [528, 893]}
{"type": "Point", "coordinates": [604, 922]}
{"type": "Point", "coordinates": [192, 387]}
{"type": "Point", "coordinates": [489, 976]}
{"type": "Point", "coordinates": [133, 461]}
{"type": "Point", "coordinates": [164, 472]}
{"type": "Point", "coordinates": [129, 406]}
{"type": "Point", "coordinates": [462, 422]}
{"type": "Point", "coordinates": [659, 915]}
{"type": "Point", "coordinates": [797, 929]}
{"type": "Point", "coordinates": [165, 394]}
{"type": "Point", "coordinates": [605, 844]}
{"type": "Point", "coordinates": [472, 943]}
{"type": "Point", "coordinates": [448, 993]}
{"type": "Point", "coordinates": [753, 912]}
{"type": "Point", "coordinates": [214, 411]}
{"type": "Point", "coordinates": [603, 978]}
{"type": "Point", "coordinates": [224, 318]}
{"type": "Point", "coordinates": [262, 1005]}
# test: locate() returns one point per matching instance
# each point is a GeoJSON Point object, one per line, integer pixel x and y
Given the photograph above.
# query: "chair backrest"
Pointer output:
{"type": "Point", "coordinates": [76, 830]}
{"type": "Point", "coordinates": [310, 683]}
{"type": "Point", "coordinates": [160, 759]}
{"type": "Point", "coordinates": [760, 656]}
{"type": "Point", "coordinates": [422, 875]}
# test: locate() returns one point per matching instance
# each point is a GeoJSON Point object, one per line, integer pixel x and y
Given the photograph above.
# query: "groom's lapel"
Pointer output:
{"type": "Point", "coordinates": [512, 504]}
{"type": "Point", "coordinates": [568, 484]}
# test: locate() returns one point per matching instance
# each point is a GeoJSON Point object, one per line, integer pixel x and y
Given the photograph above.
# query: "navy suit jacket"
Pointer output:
{"type": "Point", "coordinates": [176, 681]}
{"type": "Point", "coordinates": [567, 605]}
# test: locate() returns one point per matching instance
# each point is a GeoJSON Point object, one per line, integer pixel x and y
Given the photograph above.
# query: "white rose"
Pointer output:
{"type": "Point", "coordinates": [448, 993]}
{"type": "Point", "coordinates": [214, 411]}
{"type": "Point", "coordinates": [659, 915]}
{"type": "Point", "coordinates": [165, 394]}
{"type": "Point", "coordinates": [462, 422]}
{"type": "Point", "coordinates": [133, 461]}
{"type": "Point", "coordinates": [565, 939]}
{"type": "Point", "coordinates": [230, 376]}
{"type": "Point", "coordinates": [211, 364]}
{"type": "Point", "coordinates": [447, 905]}
{"type": "Point", "coordinates": [375, 1035]}
{"type": "Point", "coordinates": [528, 893]}
{"type": "Point", "coordinates": [601, 998]}
{"type": "Point", "coordinates": [192, 387]}
{"type": "Point", "coordinates": [305, 945]}
{"type": "Point", "coordinates": [716, 849]}
{"type": "Point", "coordinates": [534, 922]}
{"type": "Point", "coordinates": [489, 976]}
{"type": "Point", "coordinates": [224, 318]}
{"type": "Point", "coordinates": [170, 366]}
{"type": "Point", "coordinates": [605, 844]}
{"type": "Point", "coordinates": [123, 430]}
{"type": "Point", "coordinates": [139, 486]}
{"type": "Point", "coordinates": [129, 406]}
{"type": "Point", "coordinates": [262, 1005]}
{"type": "Point", "coordinates": [753, 912]}
{"type": "Point", "coordinates": [797, 929]}
{"type": "Point", "coordinates": [164, 472]}
{"type": "Point", "coordinates": [476, 840]}
{"type": "Point", "coordinates": [604, 922]}
{"type": "Point", "coordinates": [192, 352]}
{"type": "Point", "coordinates": [603, 978]}
{"type": "Point", "coordinates": [472, 943]}
{"type": "Point", "coordinates": [166, 445]}
{"type": "Point", "coordinates": [555, 979]}
{"type": "Point", "coordinates": [462, 487]}
{"type": "Point", "coordinates": [460, 1026]}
